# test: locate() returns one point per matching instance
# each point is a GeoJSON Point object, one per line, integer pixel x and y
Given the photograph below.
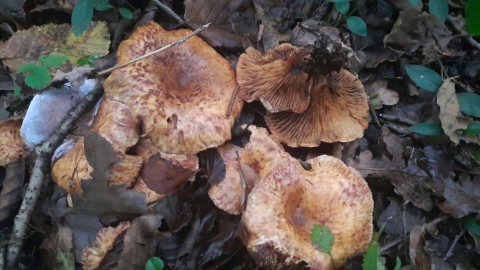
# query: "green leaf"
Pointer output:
{"type": "Point", "coordinates": [342, 7]}
{"type": "Point", "coordinates": [424, 77]}
{"type": "Point", "coordinates": [428, 128]}
{"type": "Point", "coordinates": [125, 13]}
{"type": "Point", "coordinates": [471, 224]}
{"type": "Point", "coordinates": [103, 5]}
{"type": "Point", "coordinates": [88, 60]}
{"type": "Point", "coordinates": [322, 238]}
{"type": "Point", "coordinates": [439, 9]}
{"type": "Point", "coordinates": [154, 263]}
{"type": "Point", "coordinates": [357, 26]}
{"type": "Point", "coordinates": [473, 128]}
{"type": "Point", "coordinates": [472, 15]}
{"type": "Point", "coordinates": [17, 90]}
{"type": "Point", "coordinates": [415, 2]}
{"type": "Point", "coordinates": [37, 77]}
{"type": "Point", "coordinates": [469, 103]}
{"type": "Point", "coordinates": [371, 259]}
{"type": "Point", "coordinates": [52, 60]}
{"type": "Point", "coordinates": [398, 265]}
{"type": "Point", "coordinates": [81, 16]}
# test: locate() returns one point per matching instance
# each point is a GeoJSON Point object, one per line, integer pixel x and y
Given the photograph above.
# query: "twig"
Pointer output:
{"type": "Point", "coordinates": [173, 44]}
{"type": "Point", "coordinates": [232, 100]}
{"type": "Point", "coordinates": [465, 35]}
{"type": "Point", "coordinates": [399, 119]}
{"type": "Point", "coordinates": [44, 153]}
{"type": "Point", "coordinates": [168, 10]}
{"type": "Point", "coordinates": [386, 247]}
{"type": "Point", "coordinates": [454, 243]}
{"type": "Point", "coordinates": [373, 113]}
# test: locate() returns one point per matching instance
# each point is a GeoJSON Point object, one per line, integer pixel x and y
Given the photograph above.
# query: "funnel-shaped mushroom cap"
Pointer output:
{"type": "Point", "coordinates": [255, 160]}
{"type": "Point", "coordinates": [274, 78]}
{"type": "Point", "coordinates": [284, 206]}
{"type": "Point", "coordinates": [338, 112]}
{"type": "Point", "coordinates": [181, 96]}
{"type": "Point", "coordinates": [12, 146]}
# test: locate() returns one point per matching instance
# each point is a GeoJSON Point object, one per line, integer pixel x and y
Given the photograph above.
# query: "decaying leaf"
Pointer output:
{"type": "Point", "coordinates": [12, 189]}
{"type": "Point", "coordinates": [396, 219]}
{"type": "Point", "coordinates": [461, 198]}
{"type": "Point", "coordinates": [380, 95]}
{"type": "Point", "coordinates": [414, 31]}
{"type": "Point", "coordinates": [420, 258]}
{"type": "Point", "coordinates": [212, 164]}
{"type": "Point", "coordinates": [230, 20]}
{"type": "Point", "coordinates": [452, 121]}
{"type": "Point", "coordinates": [28, 45]}
{"type": "Point", "coordinates": [60, 246]}
{"type": "Point", "coordinates": [100, 200]}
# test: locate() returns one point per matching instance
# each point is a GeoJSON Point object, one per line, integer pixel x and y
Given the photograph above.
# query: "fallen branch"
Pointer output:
{"type": "Point", "coordinates": [45, 152]}
{"type": "Point", "coordinates": [459, 29]}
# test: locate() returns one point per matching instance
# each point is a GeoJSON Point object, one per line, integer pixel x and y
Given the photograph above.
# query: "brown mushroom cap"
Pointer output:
{"type": "Point", "coordinates": [338, 112]}
{"type": "Point", "coordinates": [93, 255]}
{"type": "Point", "coordinates": [284, 206]}
{"type": "Point", "coordinates": [73, 167]}
{"type": "Point", "coordinates": [257, 158]}
{"type": "Point", "coordinates": [274, 78]}
{"type": "Point", "coordinates": [181, 96]}
{"type": "Point", "coordinates": [12, 145]}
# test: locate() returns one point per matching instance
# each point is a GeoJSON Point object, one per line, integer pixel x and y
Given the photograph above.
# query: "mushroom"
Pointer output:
{"type": "Point", "coordinates": [274, 78]}
{"type": "Point", "coordinates": [12, 145]}
{"type": "Point", "coordinates": [93, 255]}
{"type": "Point", "coordinates": [253, 161]}
{"type": "Point", "coordinates": [338, 112]}
{"type": "Point", "coordinates": [180, 96]}
{"type": "Point", "coordinates": [283, 207]}
{"type": "Point", "coordinates": [308, 103]}
{"type": "Point", "coordinates": [115, 123]}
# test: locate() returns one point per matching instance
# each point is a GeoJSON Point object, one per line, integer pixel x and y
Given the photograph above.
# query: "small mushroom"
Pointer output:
{"type": "Point", "coordinates": [181, 96]}
{"type": "Point", "coordinates": [93, 255]}
{"type": "Point", "coordinates": [244, 168]}
{"type": "Point", "coordinates": [283, 207]}
{"type": "Point", "coordinates": [12, 144]}
{"type": "Point", "coordinates": [275, 78]}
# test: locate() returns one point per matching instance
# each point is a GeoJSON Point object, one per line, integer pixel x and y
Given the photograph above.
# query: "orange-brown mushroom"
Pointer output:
{"type": "Point", "coordinates": [338, 112]}
{"type": "Point", "coordinates": [274, 78]}
{"type": "Point", "coordinates": [255, 160]}
{"type": "Point", "coordinates": [12, 144]}
{"type": "Point", "coordinates": [93, 255]}
{"type": "Point", "coordinates": [181, 96]}
{"type": "Point", "coordinates": [308, 103]}
{"type": "Point", "coordinates": [283, 207]}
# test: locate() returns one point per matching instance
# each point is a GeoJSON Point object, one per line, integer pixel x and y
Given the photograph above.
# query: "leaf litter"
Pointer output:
{"type": "Point", "coordinates": [423, 186]}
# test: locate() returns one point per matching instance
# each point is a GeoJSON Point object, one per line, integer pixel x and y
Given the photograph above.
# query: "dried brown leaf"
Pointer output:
{"type": "Point", "coordinates": [12, 189]}
{"type": "Point", "coordinates": [450, 111]}
{"type": "Point", "coordinates": [462, 197]}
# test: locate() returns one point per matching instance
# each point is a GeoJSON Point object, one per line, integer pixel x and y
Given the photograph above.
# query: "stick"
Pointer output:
{"type": "Point", "coordinates": [173, 44]}
{"type": "Point", "coordinates": [44, 153]}
{"type": "Point", "coordinates": [168, 10]}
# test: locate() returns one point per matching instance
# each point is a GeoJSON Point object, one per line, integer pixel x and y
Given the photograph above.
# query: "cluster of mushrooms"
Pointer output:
{"type": "Point", "coordinates": [169, 107]}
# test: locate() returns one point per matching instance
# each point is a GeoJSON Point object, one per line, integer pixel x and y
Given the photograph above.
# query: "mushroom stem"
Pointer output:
{"type": "Point", "coordinates": [173, 44]}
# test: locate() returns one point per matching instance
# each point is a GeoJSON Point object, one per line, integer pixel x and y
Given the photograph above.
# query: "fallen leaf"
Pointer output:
{"type": "Point", "coordinates": [414, 31]}
{"type": "Point", "coordinates": [461, 198]}
{"type": "Point", "coordinates": [380, 95]}
{"type": "Point", "coordinates": [399, 220]}
{"type": "Point", "coordinates": [12, 189]}
{"type": "Point", "coordinates": [450, 116]}
{"type": "Point", "coordinates": [60, 248]}
{"type": "Point", "coordinates": [420, 258]}
{"type": "Point", "coordinates": [164, 176]}
{"type": "Point", "coordinates": [230, 20]}
{"type": "Point", "coordinates": [28, 45]}
{"type": "Point", "coordinates": [212, 164]}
